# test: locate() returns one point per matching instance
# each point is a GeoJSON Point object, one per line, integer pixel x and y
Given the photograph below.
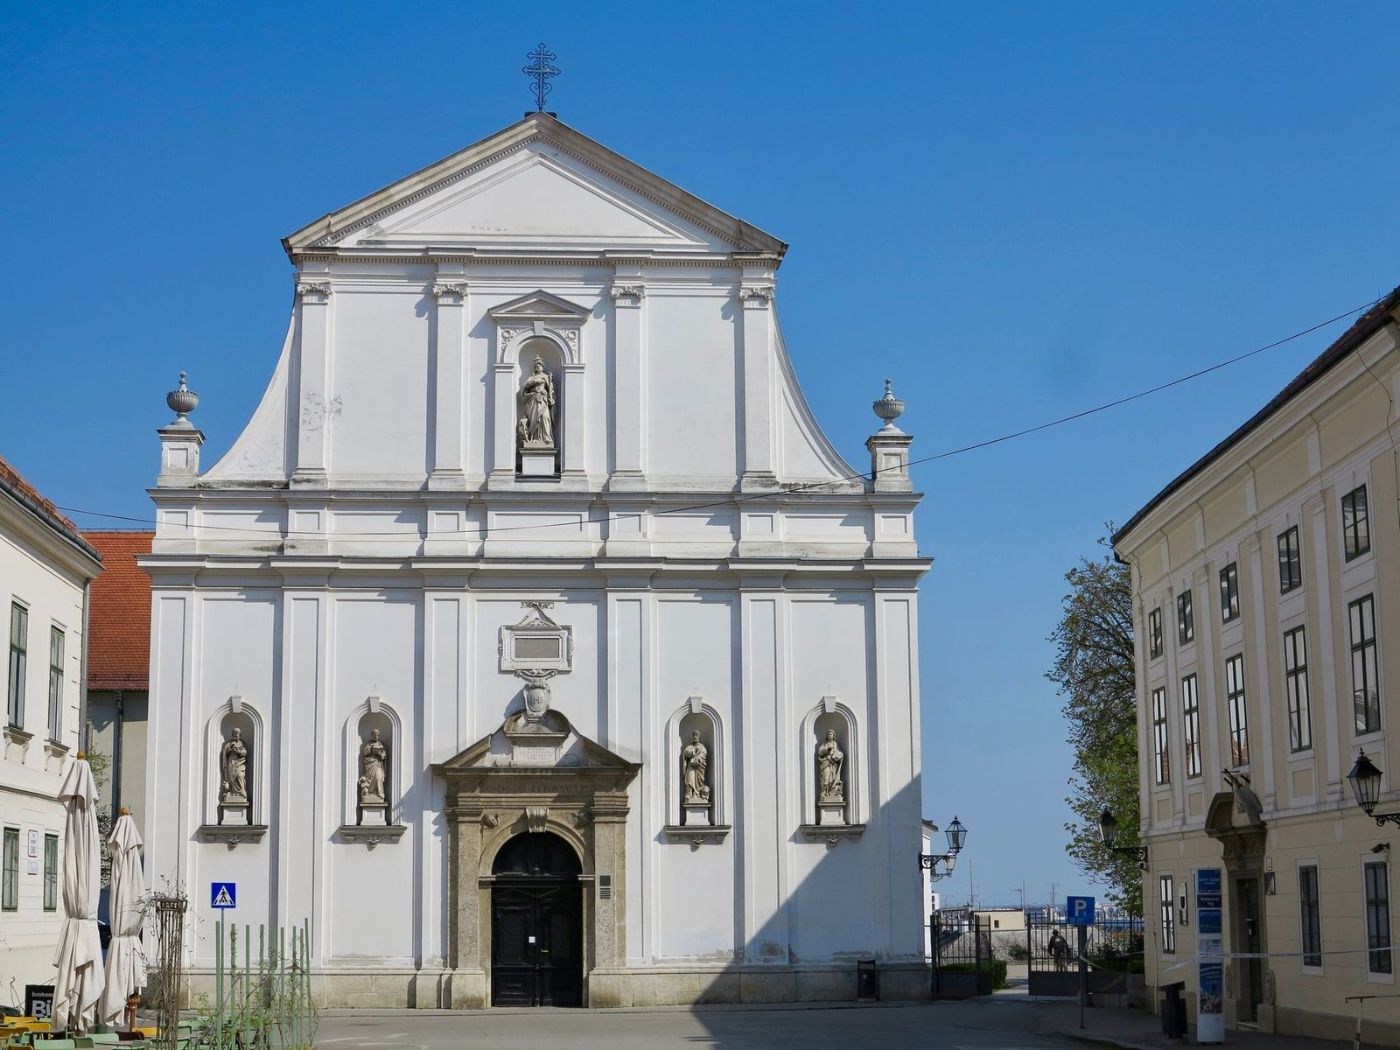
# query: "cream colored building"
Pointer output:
{"type": "Point", "coordinates": [45, 569]}
{"type": "Point", "coordinates": [1267, 613]}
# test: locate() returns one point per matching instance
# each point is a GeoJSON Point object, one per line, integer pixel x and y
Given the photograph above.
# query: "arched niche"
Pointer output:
{"type": "Point", "coordinates": [225, 808]}
{"type": "Point", "coordinates": [545, 325]}
{"type": "Point", "coordinates": [831, 715]}
{"type": "Point", "coordinates": [541, 408]}
{"type": "Point", "coordinates": [370, 716]}
{"type": "Point", "coordinates": [691, 718]}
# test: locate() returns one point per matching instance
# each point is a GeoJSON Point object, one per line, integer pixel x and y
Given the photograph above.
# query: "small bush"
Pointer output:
{"type": "Point", "coordinates": [1018, 952]}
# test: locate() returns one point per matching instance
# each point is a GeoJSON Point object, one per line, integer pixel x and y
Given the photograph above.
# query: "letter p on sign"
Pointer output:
{"type": "Point", "coordinates": [1079, 911]}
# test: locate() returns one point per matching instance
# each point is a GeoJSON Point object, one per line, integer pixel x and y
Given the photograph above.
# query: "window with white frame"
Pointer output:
{"type": "Point", "coordinates": [1295, 681]}
{"type": "Point", "coordinates": [1290, 561]}
{"type": "Point", "coordinates": [19, 657]}
{"type": "Point", "coordinates": [1185, 619]}
{"type": "Point", "coordinates": [56, 684]}
{"type": "Point", "coordinates": [1310, 915]}
{"type": "Point", "coordinates": [1191, 725]}
{"type": "Point", "coordinates": [1168, 913]}
{"type": "Point", "coordinates": [50, 872]}
{"type": "Point", "coordinates": [1356, 523]}
{"type": "Point", "coordinates": [9, 871]}
{"type": "Point", "coordinates": [1239, 712]}
{"type": "Point", "coordinates": [1229, 592]}
{"type": "Point", "coordinates": [1365, 686]}
{"type": "Point", "coordinates": [1154, 633]}
{"type": "Point", "coordinates": [1162, 759]}
{"type": "Point", "coordinates": [1377, 882]}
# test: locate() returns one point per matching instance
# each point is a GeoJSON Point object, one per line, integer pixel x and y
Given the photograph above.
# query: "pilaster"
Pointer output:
{"type": "Point", "coordinates": [314, 404]}
{"type": "Point", "coordinates": [503, 422]}
{"type": "Point", "coordinates": [756, 291]}
{"type": "Point", "coordinates": [575, 453]}
{"type": "Point", "coordinates": [629, 399]}
{"type": "Point", "coordinates": [449, 409]}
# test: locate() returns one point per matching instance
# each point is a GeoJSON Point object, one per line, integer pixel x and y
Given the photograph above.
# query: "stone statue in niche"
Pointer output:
{"type": "Point", "coordinates": [695, 760]}
{"type": "Point", "coordinates": [829, 761]}
{"type": "Point", "coordinates": [374, 764]}
{"type": "Point", "coordinates": [233, 771]}
{"type": "Point", "coordinates": [536, 426]}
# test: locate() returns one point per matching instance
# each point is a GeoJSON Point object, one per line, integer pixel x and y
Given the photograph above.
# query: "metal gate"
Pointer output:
{"type": "Point", "coordinates": [1114, 950]}
{"type": "Point", "coordinates": [962, 954]}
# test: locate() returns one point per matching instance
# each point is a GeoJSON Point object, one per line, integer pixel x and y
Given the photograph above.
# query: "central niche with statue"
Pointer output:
{"type": "Point", "coordinates": [535, 429]}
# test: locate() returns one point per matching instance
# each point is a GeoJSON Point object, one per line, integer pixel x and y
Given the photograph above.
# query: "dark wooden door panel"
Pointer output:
{"type": "Point", "coordinates": [537, 943]}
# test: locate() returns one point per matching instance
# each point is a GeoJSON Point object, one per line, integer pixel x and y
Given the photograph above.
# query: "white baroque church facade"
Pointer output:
{"type": "Point", "coordinates": [532, 642]}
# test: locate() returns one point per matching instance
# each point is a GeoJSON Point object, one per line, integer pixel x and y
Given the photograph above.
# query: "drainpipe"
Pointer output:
{"type": "Point", "coordinates": [118, 734]}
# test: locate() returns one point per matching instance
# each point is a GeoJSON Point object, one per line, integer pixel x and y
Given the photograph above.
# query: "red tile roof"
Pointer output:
{"type": "Point", "coordinates": [12, 483]}
{"type": "Point", "coordinates": [119, 624]}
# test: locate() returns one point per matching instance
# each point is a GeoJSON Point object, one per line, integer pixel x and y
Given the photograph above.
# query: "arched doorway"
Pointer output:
{"type": "Point", "coordinates": [536, 923]}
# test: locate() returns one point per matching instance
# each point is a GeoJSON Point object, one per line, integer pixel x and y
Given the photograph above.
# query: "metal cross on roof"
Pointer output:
{"type": "Point", "coordinates": [540, 69]}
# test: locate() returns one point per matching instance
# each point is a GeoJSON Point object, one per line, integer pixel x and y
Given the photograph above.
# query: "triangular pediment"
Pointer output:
{"type": "Point", "coordinates": [539, 306]}
{"type": "Point", "coordinates": [537, 186]}
{"type": "Point", "coordinates": [548, 744]}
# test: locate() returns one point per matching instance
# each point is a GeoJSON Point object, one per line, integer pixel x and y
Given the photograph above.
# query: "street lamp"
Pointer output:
{"type": "Point", "coordinates": [1365, 781]}
{"type": "Point", "coordinates": [929, 861]}
{"type": "Point", "coordinates": [1108, 831]}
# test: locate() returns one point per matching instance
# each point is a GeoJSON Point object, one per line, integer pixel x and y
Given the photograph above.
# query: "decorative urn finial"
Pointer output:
{"type": "Point", "coordinates": [182, 400]}
{"type": "Point", "coordinates": [889, 408]}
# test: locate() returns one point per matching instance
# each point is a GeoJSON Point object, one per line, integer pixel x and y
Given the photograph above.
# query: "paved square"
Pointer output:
{"type": "Point", "coordinates": [943, 1025]}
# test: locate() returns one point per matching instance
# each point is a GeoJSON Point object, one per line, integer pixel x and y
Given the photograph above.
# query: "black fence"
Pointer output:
{"type": "Point", "coordinates": [1113, 951]}
{"type": "Point", "coordinates": [962, 954]}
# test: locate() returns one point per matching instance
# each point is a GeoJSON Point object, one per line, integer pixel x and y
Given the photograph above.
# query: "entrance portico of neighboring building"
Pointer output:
{"type": "Point", "coordinates": [537, 778]}
{"type": "Point", "coordinates": [1233, 819]}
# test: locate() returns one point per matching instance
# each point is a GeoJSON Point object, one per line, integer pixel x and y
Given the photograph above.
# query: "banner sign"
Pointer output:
{"type": "Point", "coordinates": [1210, 950]}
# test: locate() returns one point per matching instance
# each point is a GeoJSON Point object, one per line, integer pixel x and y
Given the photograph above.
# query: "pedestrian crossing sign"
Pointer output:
{"type": "Point", "coordinates": [223, 895]}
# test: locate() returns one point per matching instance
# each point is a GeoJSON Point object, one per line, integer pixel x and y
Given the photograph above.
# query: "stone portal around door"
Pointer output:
{"type": "Point", "coordinates": [529, 777]}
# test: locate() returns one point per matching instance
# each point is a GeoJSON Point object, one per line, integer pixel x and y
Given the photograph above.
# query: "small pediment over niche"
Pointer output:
{"type": "Point", "coordinates": [539, 306]}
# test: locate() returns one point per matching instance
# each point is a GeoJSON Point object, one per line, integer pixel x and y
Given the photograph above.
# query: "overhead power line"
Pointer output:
{"type": "Point", "coordinates": [736, 500]}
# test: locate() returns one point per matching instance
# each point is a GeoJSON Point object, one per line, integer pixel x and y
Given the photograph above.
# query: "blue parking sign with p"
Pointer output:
{"type": "Point", "coordinates": [223, 895]}
{"type": "Point", "coordinates": [1079, 911]}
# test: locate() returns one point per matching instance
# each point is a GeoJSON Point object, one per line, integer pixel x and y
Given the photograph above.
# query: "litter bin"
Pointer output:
{"type": "Point", "coordinates": [867, 980]}
{"type": "Point", "coordinates": [1173, 1010]}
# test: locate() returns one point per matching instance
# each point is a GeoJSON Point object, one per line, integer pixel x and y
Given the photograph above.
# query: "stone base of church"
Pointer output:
{"type": "Point", "coordinates": [444, 989]}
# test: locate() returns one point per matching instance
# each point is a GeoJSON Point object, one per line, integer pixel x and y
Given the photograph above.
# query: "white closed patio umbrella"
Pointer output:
{"type": "Point", "coordinates": [78, 985]}
{"type": "Point", "coordinates": [126, 963]}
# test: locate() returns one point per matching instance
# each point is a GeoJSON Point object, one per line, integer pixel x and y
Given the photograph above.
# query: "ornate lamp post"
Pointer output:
{"type": "Point", "coordinates": [1108, 831]}
{"type": "Point", "coordinates": [1365, 780]}
{"type": "Point", "coordinates": [929, 861]}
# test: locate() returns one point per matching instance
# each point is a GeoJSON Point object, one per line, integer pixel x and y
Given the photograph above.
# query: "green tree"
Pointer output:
{"type": "Point", "coordinates": [1094, 671]}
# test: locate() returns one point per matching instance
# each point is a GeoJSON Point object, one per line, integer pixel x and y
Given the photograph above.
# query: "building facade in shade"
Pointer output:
{"type": "Point", "coordinates": [1265, 580]}
{"type": "Point", "coordinates": [532, 643]}
{"type": "Point", "coordinates": [118, 666]}
{"type": "Point", "coordinates": [45, 570]}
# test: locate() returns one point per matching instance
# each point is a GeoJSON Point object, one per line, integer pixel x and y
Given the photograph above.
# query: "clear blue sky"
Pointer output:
{"type": "Point", "coordinates": [1014, 211]}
